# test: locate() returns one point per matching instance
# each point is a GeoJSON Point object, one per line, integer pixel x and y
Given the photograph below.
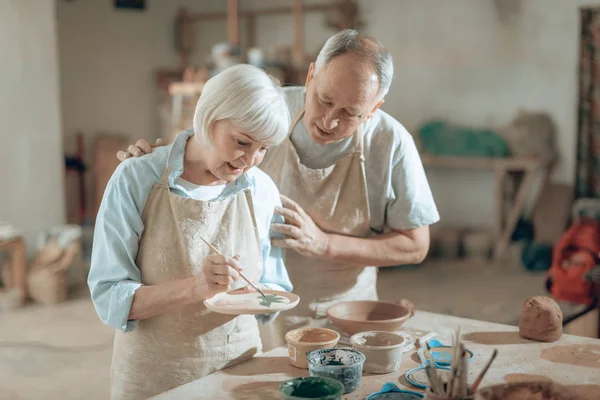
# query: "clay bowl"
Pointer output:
{"type": "Point", "coordinates": [383, 350]}
{"type": "Point", "coordinates": [304, 340]}
{"type": "Point", "coordinates": [525, 390]}
{"type": "Point", "coordinates": [359, 316]}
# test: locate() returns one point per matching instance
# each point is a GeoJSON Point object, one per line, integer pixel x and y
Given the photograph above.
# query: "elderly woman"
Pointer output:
{"type": "Point", "coordinates": [150, 268]}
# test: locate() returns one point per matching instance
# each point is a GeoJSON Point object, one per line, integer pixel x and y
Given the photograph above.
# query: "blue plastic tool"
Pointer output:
{"type": "Point", "coordinates": [393, 392]}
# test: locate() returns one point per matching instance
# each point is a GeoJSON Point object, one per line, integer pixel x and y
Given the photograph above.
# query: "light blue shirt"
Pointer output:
{"type": "Point", "coordinates": [399, 195]}
{"type": "Point", "coordinates": [114, 276]}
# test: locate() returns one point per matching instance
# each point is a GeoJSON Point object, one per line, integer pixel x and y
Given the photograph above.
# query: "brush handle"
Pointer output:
{"type": "Point", "coordinates": [482, 373]}
{"type": "Point", "coordinates": [244, 277]}
{"type": "Point", "coordinates": [251, 283]}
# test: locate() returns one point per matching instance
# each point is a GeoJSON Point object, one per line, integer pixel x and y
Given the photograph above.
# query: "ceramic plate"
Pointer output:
{"type": "Point", "coordinates": [442, 355]}
{"type": "Point", "coordinates": [418, 377]}
{"type": "Point", "coordinates": [238, 302]}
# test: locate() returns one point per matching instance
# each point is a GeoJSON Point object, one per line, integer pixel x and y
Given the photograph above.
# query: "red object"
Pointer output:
{"type": "Point", "coordinates": [575, 253]}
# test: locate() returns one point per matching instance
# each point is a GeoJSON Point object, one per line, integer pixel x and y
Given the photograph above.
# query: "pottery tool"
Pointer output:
{"type": "Point", "coordinates": [420, 342]}
{"type": "Point", "coordinates": [459, 386]}
{"type": "Point", "coordinates": [456, 386]}
{"type": "Point", "coordinates": [436, 383]}
{"type": "Point", "coordinates": [454, 361]}
{"type": "Point", "coordinates": [266, 300]}
{"type": "Point", "coordinates": [483, 372]}
{"type": "Point", "coordinates": [464, 386]}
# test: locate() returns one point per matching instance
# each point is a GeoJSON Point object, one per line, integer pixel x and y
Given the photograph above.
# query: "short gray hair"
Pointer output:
{"type": "Point", "coordinates": [250, 99]}
{"type": "Point", "coordinates": [367, 47]}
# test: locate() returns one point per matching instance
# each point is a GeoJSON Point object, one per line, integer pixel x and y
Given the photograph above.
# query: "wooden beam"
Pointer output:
{"type": "Point", "coordinates": [250, 32]}
{"type": "Point", "coordinates": [298, 49]}
{"type": "Point", "coordinates": [508, 163]}
{"type": "Point", "coordinates": [233, 27]}
{"type": "Point", "coordinates": [265, 11]}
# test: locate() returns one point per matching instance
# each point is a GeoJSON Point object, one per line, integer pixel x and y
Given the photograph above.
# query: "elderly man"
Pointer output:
{"type": "Point", "coordinates": [355, 195]}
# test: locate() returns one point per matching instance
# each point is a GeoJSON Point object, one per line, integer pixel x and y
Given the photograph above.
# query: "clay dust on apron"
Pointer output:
{"type": "Point", "coordinates": [177, 347]}
{"type": "Point", "coordinates": [336, 199]}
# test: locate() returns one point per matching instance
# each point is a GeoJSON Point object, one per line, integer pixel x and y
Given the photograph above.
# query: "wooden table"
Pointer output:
{"type": "Point", "coordinates": [260, 377]}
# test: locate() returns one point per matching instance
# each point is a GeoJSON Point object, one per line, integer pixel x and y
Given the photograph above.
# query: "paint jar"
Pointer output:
{"type": "Point", "coordinates": [304, 340]}
{"type": "Point", "coordinates": [345, 365]}
{"type": "Point", "coordinates": [383, 350]}
{"type": "Point", "coordinates": [311, 387]}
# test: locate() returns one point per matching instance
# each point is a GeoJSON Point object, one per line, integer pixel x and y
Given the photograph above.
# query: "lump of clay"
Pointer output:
{"type": "Point", "coordinates": [541, 319]}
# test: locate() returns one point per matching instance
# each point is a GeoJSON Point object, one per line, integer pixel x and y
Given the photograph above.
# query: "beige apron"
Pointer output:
{"type": "Point", "coordinates": [336, 199]}
{"type": "Point", "coordinates": [180, 346]}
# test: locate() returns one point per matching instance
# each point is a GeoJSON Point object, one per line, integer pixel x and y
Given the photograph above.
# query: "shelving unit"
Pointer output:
{"type": "Point", "coordinates": [523, 169]}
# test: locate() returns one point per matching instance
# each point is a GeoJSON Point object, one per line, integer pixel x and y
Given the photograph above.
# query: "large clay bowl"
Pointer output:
{"type": "Point", "coordinates": [360, 316]}
{"type": "Point", "coordinates": [526, 390]}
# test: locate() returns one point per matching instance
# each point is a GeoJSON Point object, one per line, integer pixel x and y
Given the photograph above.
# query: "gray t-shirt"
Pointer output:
{"type": "Point", "coordinates": [398, 191]}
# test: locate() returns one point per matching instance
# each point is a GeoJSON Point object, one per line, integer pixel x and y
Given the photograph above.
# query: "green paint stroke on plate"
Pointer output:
{"type": "Point", "coordinates": [270, 299]}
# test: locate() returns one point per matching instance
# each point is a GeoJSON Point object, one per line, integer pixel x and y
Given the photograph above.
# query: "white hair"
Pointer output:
{"type": "Point", "coordinates": [247, 97]}
{"type": "Point", "coordinates": [366, 47]}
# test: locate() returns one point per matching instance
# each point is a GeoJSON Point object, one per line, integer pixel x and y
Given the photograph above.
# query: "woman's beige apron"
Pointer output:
{"type": "Point", "coordinates": [180, 346]}
{"type": "Point", "coordinates": [336, 199]}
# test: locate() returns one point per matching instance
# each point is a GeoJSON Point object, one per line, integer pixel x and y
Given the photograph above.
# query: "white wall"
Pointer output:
{"type": "Point", "coordinates": [108, 58]}
{"type": "Point", "coordinates": [31, 160]}
{"type": "Point", "coordinates": [461, 60]}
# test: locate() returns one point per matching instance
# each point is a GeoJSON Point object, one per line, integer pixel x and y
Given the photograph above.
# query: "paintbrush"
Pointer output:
{"type": "Point", "coordinates": [454, 363]}
{"type": "Point", "coordinates": [461, 376]}
{"type": "Point", "coordinates": [483, 372]}
{"type": "Point", "coordinates": [239, 272]}
{"type": "Point", "coordinates": [436, 382]}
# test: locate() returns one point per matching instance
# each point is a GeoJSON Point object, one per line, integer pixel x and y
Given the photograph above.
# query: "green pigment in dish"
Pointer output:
{"type": "Point", "coordinates": [311, 388]}
{"type": "Point", "coordinates": [270, 299]}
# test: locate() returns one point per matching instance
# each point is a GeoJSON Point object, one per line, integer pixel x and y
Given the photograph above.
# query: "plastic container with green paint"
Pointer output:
{"type": "Point", "coordinates": [311, 387]}
{"type": "Point", "coordinates": [344, 365]}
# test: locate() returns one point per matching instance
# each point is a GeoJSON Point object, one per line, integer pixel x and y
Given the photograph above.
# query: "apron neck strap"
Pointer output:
{"type": "Point", "coordinates": [295, 121]}
{"type": "Point", "coordinates": [358, 135]}
{"type": "Point", "coordinates": [164, 177]}
{"type": "Point", "coordinates": [358, 140]}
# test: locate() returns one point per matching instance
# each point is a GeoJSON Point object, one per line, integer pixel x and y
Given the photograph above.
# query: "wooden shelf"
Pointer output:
{"type": "Point", "coordinates": [265, 11]}
{"type": "Point", "coordinates": [506, 163]}
{"type": "Point", "coordinates": [502, 167]}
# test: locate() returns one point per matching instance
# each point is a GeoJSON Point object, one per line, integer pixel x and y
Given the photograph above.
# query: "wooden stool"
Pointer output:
{"type": "Point", "coordinates": [16, 276]}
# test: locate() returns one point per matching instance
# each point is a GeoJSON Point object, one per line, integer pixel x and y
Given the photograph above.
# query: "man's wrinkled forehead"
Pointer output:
{"type": "Point", "coordinates": [347, 84]}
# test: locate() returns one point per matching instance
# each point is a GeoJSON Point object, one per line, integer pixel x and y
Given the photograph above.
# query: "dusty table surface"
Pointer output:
{"type": "Point", "coordinates": [517, 358]}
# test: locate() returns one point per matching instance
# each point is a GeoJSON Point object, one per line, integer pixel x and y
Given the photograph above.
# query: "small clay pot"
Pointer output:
{"type": "Point", "coordinates": [359, 316]}
{"type": "Point", "coordinates": [304, 340]}
{"type": "Point", "coordinates": [383, 350]}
